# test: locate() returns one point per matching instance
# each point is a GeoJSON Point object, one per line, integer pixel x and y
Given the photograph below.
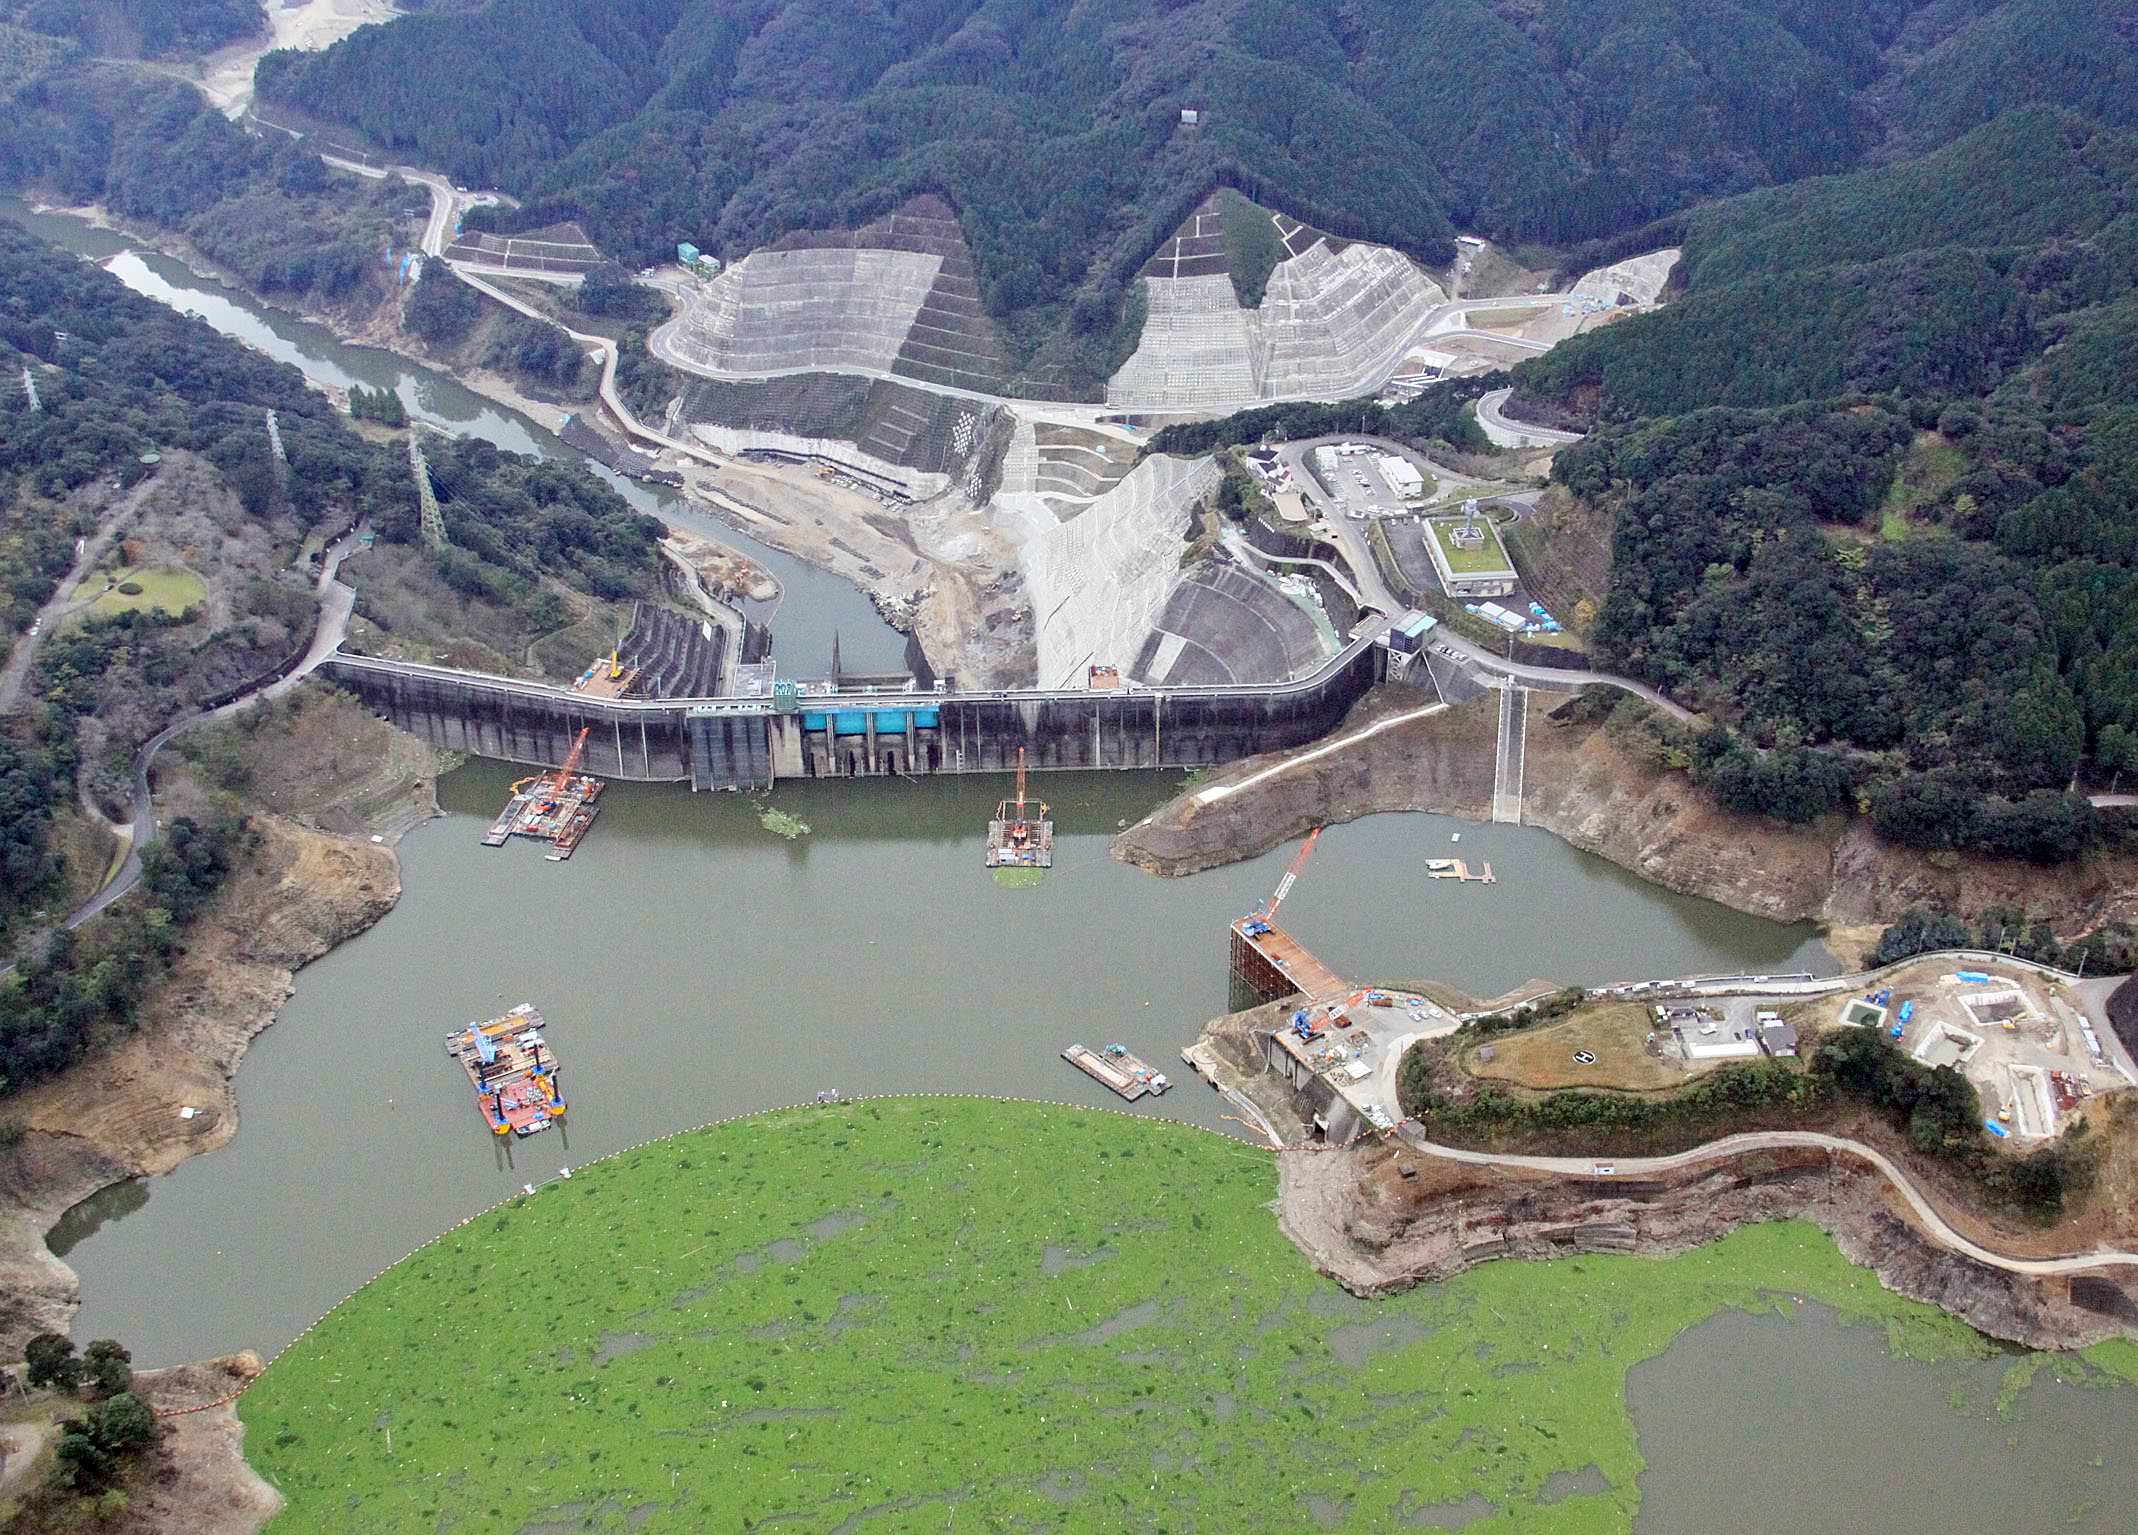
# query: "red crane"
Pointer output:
{"type": "Point", "coordinates": [1291, 875]}
{"type": "Point", "coordinates": [562, 778]}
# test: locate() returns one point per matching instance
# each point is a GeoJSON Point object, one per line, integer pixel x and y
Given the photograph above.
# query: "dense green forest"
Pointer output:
{"type": "Point", "coordinates": [154, 150]}
{"type": "Point", "coordinates": [1054, 127]}
{"type": "Point", "coordinates": [151, 29]}
{"type": "Point", "coordinates": [1947, 275]}
{"type": "Point", "coordinates": [1963, 648]}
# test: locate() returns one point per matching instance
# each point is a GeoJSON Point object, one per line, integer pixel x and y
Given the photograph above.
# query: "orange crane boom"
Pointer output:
{"type": "Point", "coordinates": [571, 761]}
{"type": "Point", "coordinates": [1291, 875]}
{"type": "Point", "coordinates": [1020, 783]}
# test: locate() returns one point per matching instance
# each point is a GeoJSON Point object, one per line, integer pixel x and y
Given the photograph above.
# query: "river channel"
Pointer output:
{"type": "Point", "coordinates": [815, 605]}
{"type": "Point", "coordinates": [694, 966]}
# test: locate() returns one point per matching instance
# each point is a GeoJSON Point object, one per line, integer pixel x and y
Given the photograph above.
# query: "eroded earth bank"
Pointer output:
{"type": "Point", "coordinates": [1588, 785]}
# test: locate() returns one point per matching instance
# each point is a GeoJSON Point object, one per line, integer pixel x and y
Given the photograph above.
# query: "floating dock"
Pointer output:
{"type": "Point", "coordinates": [1455, 868]}
{"type": "Point", "coordinates": [513, 1072]}
{"type": "Point", "coordinates": [1114, 1067]}
{"type": "Point", "coordinates": [555, 807]}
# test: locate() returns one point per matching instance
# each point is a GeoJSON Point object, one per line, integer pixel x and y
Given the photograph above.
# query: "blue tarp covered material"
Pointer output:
{"type": "Point", "coordinates": [1996, 1129]}
{"type": "Point", "coordinates": [1972, 977]}
{"type": "Point", "coordinates": [485, 1046]}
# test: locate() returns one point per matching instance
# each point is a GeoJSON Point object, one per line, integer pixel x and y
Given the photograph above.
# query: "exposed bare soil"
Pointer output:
{"type": "Point", "coordinates": [193, 1481]}
{"type": "Point", "coordinates": [1375, 1231]}
{"type": "Point", "coordinates": [937, 569]}
{"type": "Point", "coordinates": [296, 894]}
{"type": "Point", "coordinates": [1583, 786]}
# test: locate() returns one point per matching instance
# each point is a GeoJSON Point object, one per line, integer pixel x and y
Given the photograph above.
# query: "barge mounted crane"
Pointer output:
{"type": "Point", "coordinates": [1016, 839]}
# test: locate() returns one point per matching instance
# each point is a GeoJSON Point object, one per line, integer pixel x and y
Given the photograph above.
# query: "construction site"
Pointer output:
{"type": "Point", "coordinates": [556, 807]}
{"type": "Point", "coordinates": [2032, 1057]}
{"type": "Point", "coordinates": [1016, 837]}
{"type": "Point", "coordinates": [1337, 1045]}
{"type": "Point", "coordinates": [1020, 537]}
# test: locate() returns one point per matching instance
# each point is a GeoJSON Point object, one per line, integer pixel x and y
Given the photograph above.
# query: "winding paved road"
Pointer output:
{"type": "Point", "coordinates": [1515, 434]}
{"type": "Point", "coordinates": [337, 600]}
{"type": "Point", "coordinates": [1769, 1140]}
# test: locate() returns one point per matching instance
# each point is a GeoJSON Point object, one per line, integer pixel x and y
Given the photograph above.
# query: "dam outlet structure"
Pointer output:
{"type": "Point", "coordinates": [851, 729]}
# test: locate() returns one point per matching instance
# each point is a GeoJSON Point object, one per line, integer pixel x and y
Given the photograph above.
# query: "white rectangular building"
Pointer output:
{"type": "Point", "coordinates": [1402, 476]}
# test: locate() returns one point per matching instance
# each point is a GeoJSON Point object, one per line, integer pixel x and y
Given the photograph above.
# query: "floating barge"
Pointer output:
{"type": "Point", "coordinates": [1127, 1075]}
{"type": "Point", "coordinates": [555, 807]}
{"type": "Point", "coordinates": [512, 1071]}
{"type": "Point", "coordinates": [1455, 868]}
{"type": "Point", "coordinates": [1016, 839]}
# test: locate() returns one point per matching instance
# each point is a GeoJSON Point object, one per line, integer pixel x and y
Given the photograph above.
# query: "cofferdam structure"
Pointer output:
{"type": "Point", "coordinates": [789, 730]}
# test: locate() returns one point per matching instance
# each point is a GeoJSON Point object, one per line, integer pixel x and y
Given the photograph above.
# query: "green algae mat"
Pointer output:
{"type": "Point", "coordinates": [962, 1315]}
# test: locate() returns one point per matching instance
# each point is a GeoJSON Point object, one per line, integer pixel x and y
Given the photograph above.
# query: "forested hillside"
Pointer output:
{"type": "Point", "coordinates": [1945, 598]}
{"type": "Point", "coordinates": [151, 29]}
{"type": "Point", "coordinates": [154, 150]}
{"type": "Point", "coordinates": [1054, 127]}
{"type": "Point", "coordinates": [118, 375]}
{"type": "Point", "coordinates": [1948, 275]}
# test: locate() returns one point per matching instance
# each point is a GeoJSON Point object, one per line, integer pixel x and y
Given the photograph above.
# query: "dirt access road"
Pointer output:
{"type": "Point", "coordinates": [62, 600]}
{"type": "Point", "coordinates": [225, 78]}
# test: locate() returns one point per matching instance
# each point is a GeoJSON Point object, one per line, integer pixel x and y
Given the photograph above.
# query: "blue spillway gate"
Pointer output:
{"type": "Point", "coordinates": [889, 722]}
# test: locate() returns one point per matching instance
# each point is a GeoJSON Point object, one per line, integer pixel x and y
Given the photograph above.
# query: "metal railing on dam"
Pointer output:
{"type": "Point", "coordinates": [751, 742]}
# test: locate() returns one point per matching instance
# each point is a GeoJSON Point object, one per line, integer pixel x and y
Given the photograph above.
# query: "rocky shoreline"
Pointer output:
{"type": "Point", "coordinates": [1584, 787]}
{"type": "Point", "coordinates": [301, 893]}
{"type": "Point", "coordinates": [1365, 1224]}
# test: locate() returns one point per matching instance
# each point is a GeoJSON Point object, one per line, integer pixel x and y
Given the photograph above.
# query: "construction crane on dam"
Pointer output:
{"type": "Point", "coordinates": [1264, 918]}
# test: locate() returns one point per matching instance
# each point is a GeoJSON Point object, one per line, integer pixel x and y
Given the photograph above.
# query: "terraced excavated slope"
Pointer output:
{"type": "Point", "coordinates": [920, 441]}
{"type": "Point", "coordinates": [1054, 472]}
{"type": "Point", "coordinates": [896, 296]}
{"type": "Point", "coordinates": [1334, 322]}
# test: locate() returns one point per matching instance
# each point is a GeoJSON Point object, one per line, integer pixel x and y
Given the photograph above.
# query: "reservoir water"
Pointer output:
{"type": "Point", "coordinates": [695, 966]}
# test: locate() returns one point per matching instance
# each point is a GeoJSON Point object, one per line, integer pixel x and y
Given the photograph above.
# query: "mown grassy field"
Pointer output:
{"type": "Point", "coordinates": [929, 1314]}
{"type": "Point", "coordinates": [1543, 1058]}
{"type": "Point", "coordinates": [168, 589]}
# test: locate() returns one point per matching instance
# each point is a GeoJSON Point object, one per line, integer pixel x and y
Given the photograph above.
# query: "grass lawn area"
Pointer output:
{"type": "Point", "coordinates": [1505, 319]}
{"type": "Point", "coordinates": [1486, 558]}
{"type": "Point", "coordinates": [164, 589]}
{"type": "Point", "coordinates": [961, 1314]}
{"type": "Point", "coordinates": [1543, 1058]}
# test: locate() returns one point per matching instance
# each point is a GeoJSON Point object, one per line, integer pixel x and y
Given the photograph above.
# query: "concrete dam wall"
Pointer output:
{"type": "Point", "coordinates": [737, 743]}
